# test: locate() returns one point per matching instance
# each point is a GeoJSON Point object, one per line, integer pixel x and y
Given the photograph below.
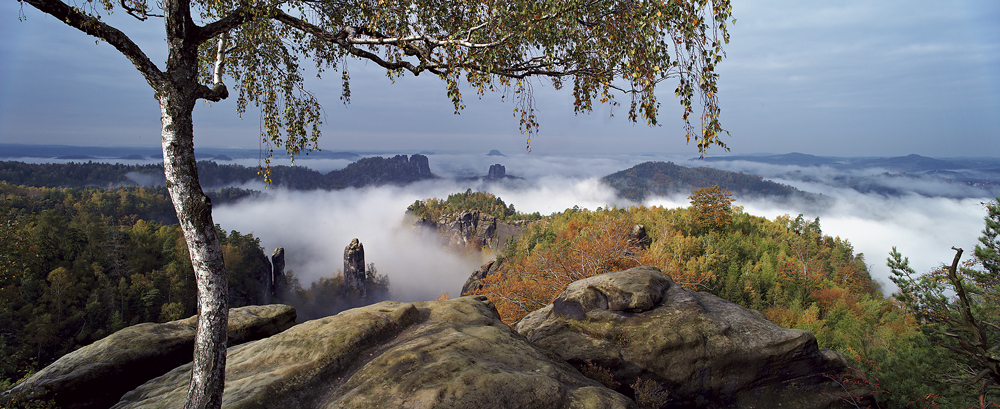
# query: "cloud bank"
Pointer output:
{"type": "Point", "coordinates": [315, 226]}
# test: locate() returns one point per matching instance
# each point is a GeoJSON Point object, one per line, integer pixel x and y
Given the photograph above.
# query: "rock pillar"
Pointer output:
{"type": "Point", "coordinates": [497, 172]}
{"type": "Point", "coordinates": [277, 274]}
{"type": "Point", "coordinates": [354, 266]}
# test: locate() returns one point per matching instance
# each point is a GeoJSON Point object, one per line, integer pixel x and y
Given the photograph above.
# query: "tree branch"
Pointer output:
{"type": "Point", "coordinates": [95, 27]}
{"type": "Point", "coordinates": [341, 38]}
{"type": "Point", "coordinates": [220, 57]}
{"type": "Point", "coordinates": [225, 24]}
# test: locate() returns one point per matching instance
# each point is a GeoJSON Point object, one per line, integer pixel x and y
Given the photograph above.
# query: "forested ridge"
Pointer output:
{"type": "Point", "coordinates": [372, 171]}
{"type": "Point", "coordinates": [485, 202]}
{"type": "Point", "coordinates": [665, 178]}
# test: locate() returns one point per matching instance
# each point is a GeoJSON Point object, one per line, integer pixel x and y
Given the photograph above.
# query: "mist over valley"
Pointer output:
{"type": "Point", "coordinates": [923, 206]}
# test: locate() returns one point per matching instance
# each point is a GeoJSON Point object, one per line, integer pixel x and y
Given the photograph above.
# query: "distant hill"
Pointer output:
{"type": "Point", "coordinates": [664, 178]}
{"type": "Point", "coordinates": [373, 171]}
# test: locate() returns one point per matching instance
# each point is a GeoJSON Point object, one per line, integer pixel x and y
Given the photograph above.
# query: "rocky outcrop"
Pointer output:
{"type": "Point", "coordinates": [474, 283]}
{"type": "Point", "coordinates": [378, 171]}
{"type": "Point", "coordinates": [630, 334]}
{"type": "Point", "coordinates": [637, 325]}
{"type": "Point", "coordinates": [475, 230]}
{"type": "Point", "coordinates": [422, 164]}
{"type": "Point", "coordinates": [439, 354]}
{"type": "Point", "coordinates": [354, 267]}
{"type": "Point", "coordinates": [277, 273]}
{"type": "Point", "coordinates": [496, 172]}
{"type": "Point", "coordinates": [639, 237]}
{"type": "Point", "coordinates": [97, 375]}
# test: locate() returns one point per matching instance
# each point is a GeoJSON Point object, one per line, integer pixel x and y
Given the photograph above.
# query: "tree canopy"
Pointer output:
{"type": "Point", "coordinates": [604, 50]}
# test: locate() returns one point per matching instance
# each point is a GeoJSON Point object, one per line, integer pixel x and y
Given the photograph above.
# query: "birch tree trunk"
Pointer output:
{"type": "Point", "coordinates": [177, 93]}
{"type": "Point", "coordinates": [194, 212]}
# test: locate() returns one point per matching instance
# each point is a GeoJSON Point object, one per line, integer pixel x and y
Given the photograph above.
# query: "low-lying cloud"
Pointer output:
{"type": "Point", "coordinates": [315, 226]}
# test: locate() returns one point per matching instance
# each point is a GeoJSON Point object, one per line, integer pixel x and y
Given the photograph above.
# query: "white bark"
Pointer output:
{"type": "Point", "coordinates": [194, 212]}
{"type": "Point", "coordinates": [220, 56]}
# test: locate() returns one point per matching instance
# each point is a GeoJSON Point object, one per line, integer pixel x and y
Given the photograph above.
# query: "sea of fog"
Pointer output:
{"type": "Point", "coordinates": [315, 226]}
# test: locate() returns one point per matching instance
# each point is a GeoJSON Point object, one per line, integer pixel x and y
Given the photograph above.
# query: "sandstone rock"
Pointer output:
{"type": "Point", "coordinates": [354, 267]}
{"type": "Point", "coordinates": [439, 354]}
{"type": "Point", "coordinates": [497, 172]}
{"type": "Point", "coordinates": [423, 166]}
{"type": "Point", "coordinates": [277, 273]}
{"type": "Point", "coordinates": [704, 351]}
{"type": "Point", "coordinates": [97, 375]}
{"type": "Point", "coordinates": [639, 237]}
{"type": "Point", "coordinates": [474, 230]}
{"type": "Point", "coordinates": [474, 282]}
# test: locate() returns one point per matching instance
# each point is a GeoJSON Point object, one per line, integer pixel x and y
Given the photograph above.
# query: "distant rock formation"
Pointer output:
{"type": "Point", "coordinates": [705, 351]}
{"type": "Point", "coordinates": [475, 230]}
{"type": "Point", "coordinates": [354, 267]}
{"type": "Point", "coordinates": [97, 375]}
{"type": "Point", "coordinates": [423, 165]}
{"type": "Point", "coordinates": [497, 172]}
{"type": "Point", "coordinates": [495, 152]}
{"type": "Point", "coordinates": [277, 273]}
{"type": "Point", "coordinates": [377, 171]}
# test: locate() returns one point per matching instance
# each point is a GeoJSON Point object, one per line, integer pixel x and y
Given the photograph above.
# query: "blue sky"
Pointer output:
{"type": "Point", "coordinates": [848, 77]}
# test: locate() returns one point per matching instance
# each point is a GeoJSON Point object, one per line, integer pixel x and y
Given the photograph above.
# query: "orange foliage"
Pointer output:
{"type": "Point", "coordinates": [828, 297]}
{"type": "Point", "coordinates": [713, 207]}
{"type": "Point", "coordinates": [525, 285]}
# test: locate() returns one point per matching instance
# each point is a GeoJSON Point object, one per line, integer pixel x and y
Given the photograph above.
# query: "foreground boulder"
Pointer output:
{"type": "Point", "coordinates": [637, 328]}
{"type": "Point", "coordinates": [438, 354]}
{"type": "Point", "coordinates": [97, 375]}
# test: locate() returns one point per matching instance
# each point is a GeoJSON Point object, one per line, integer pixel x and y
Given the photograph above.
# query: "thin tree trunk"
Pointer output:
{"type": "Point", "coordinates": [194, 212]}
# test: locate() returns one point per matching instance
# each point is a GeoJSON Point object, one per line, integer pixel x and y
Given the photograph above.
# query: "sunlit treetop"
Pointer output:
{"type": "Point", "coordinates": [605, 51]}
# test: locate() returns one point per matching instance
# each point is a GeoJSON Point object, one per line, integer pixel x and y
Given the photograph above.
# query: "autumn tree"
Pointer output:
{"type": "Point", "coordinates": [590, 244]}
{"type": "Point", "coordinates": [604, 50]}
{"type": "Point", "coordinates": [713, 207]}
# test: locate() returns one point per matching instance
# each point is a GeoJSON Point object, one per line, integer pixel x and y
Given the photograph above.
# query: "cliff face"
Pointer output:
{"type": "Point", "coordinates": [377, 171]}
{"type": "Point", "coordinates": [607, 342]}
{"type": "Point", "coordinates": [475, 230]}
